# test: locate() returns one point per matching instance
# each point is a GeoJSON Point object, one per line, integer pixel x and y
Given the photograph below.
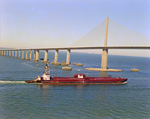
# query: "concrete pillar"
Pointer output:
{"type": "Point", "coordinates": [9, 53]}
{"type": "Point", "coordinates": [105, 51]}
{"type": "Point", "coordinates": [104, 59]}
{"type": "Point", "coordinates": [56, 56]}
{"type": "Point", "coordinates": [37, 55]}
{"type": "Point", "coordinates": [46, 55]}
{"type": "Point", "coordinates": [103, 74]}
{"type": "Point", "coordinates": [30, 54]}
{"type": "Point", "coordinates": [13, 53]}
{"type": "Point", "coordinates": [34, 54]}
{"type": "Point", "coordinates": [0, 52]}
{"type": "Point", "coordinates": [4, 52]}
{"type": "Point", "coordinates": [26, 54]}
{"type": "Point", "coordinates": [22, 54]}
{"type": "Point", "coordinates": [16, 54]}
{"type": "Point", "coordinates": [106, 32]}
{"type": "Point", "coordinates": [19, 54]}
{"type": "Point", "coordinates": [68, 57]}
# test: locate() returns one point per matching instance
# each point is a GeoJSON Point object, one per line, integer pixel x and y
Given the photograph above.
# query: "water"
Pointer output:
{"type": "Point", "coordinates": [19, 100]}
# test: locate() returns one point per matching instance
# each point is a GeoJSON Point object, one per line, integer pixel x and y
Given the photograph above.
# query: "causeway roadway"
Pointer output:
{"type": "Point", "coordinates": [96, 47]}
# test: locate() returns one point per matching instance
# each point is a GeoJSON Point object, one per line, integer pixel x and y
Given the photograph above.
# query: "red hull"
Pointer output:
{"type": "Point", "coordinates": [87, 80]}
{"type": "Point", "coordinates": [82, 80]}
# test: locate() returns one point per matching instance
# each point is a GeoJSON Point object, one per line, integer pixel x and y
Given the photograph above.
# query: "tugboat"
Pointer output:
{"type": "Point", "coordinates": [76, 80]}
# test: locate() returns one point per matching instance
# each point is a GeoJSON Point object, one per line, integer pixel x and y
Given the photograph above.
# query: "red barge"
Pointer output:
{"type": "Point", "coordinates": [76, 80]}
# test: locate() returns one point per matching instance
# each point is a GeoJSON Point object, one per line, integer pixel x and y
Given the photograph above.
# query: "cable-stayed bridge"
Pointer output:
{"type": "Point", "coordinates": [118, 35]}
{"type": "Point", "coordinates": [90, 41]}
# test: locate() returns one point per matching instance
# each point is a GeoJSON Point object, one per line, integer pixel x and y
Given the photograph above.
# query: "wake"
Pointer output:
{"type": "Point", "coordinates": [12, 82]}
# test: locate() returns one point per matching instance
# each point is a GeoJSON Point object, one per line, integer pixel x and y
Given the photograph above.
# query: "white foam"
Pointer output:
{"type": "Point", "coordinates": [12, 82]}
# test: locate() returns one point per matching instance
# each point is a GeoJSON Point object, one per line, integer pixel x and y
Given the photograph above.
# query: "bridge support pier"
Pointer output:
{"type": "Point", "coordinates": [34, 56]}
{"type": "Point", "coordinates": [27, 55]}
{"type": "Point", "coordinates": [56, 56]}
{"type": "Point", "coordinates": [23, 55]}
{"type": "Point", "coordinates": [19, 54]}
{"type": "Point", "coordinates": [45, 57]}
{"type": "Point", "coordinates": [37, 56]}
{"type": "Point", "coordinates": [4, 52]}
{"type": "Point", "coordinates": [67, 63]}
{"type": "Point", "coordinates": [55, 62]}
{"type": "Point", "coordinates": [13, 53]}
{"type": "Point", "coordinates": [30, 54]}
{"type": "Point", "coordinates": [16, 54]}
{"type": "Point", "coordinates": [68, 57]}
{"type": "Point", "coordinates": [104, 59]}
{"type": "Point", "coordinates": [105, 51]}
{"type": "Point", "coordinates": [9, 53]}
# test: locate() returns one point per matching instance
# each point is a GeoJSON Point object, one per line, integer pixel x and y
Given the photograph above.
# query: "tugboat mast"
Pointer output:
{"type": "Point", "coordinates": [47, 69]}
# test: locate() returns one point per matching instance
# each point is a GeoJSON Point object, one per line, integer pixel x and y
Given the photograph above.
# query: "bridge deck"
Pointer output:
{"type": "Point", "coordinates": [76, 48]}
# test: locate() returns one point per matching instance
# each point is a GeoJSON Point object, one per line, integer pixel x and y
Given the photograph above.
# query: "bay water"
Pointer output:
{"type": "Point", "coordinates": [19, 100]}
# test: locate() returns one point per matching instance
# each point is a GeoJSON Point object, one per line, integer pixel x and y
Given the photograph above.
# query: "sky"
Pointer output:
{"type": "Point", "coordinates": [60, 23]}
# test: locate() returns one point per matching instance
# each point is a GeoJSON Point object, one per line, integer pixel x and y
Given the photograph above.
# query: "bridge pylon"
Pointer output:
{"type": "Point", "coordinates": [105, 51]}
{"type": "Point", "coordinates": [104, 56]}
